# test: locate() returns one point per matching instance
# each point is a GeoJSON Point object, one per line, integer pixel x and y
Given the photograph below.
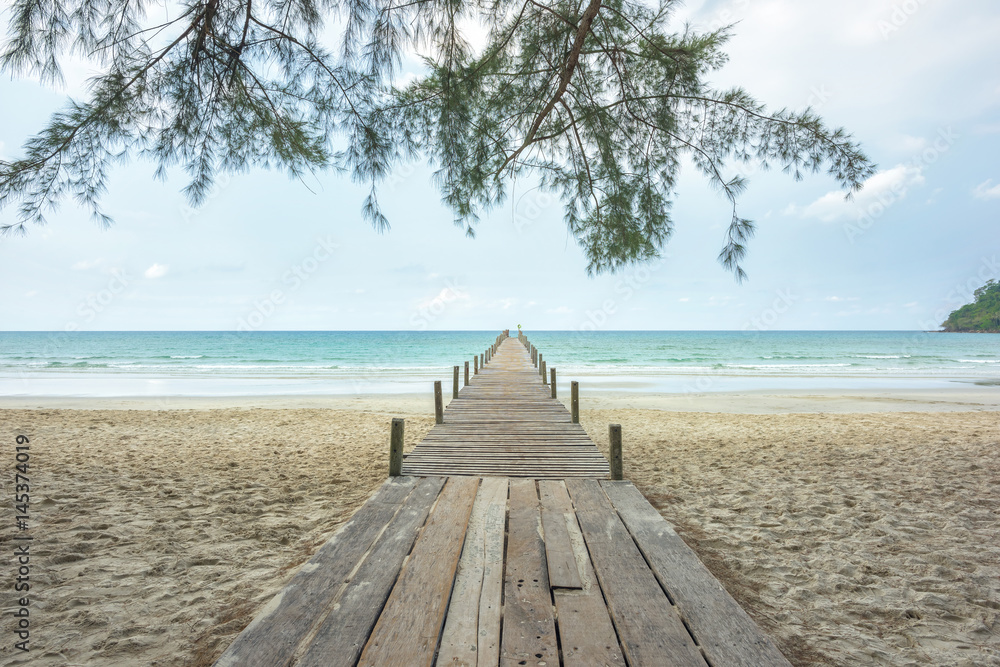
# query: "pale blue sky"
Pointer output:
{"type": "Point", "coordinates": [917, 82]}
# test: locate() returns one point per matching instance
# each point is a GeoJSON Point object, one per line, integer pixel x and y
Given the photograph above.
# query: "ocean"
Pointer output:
{"type": "Point", "coordinates": [206, 363]}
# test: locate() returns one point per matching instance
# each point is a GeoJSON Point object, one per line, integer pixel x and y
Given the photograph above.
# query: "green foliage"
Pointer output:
{"type": "Point", "coordinates": [600, 101]}
{"type": "Point", "coordinates": [981, 315]}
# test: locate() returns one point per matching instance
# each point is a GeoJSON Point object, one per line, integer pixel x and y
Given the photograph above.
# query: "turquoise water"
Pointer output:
{"type": "Point", "coordinates": [266, 363]}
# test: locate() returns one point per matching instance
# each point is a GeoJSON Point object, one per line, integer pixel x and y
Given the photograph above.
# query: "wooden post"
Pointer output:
{"type": "Point", "coordinates": [438, 403]}
{"type": "Point", "coordinates": [454, 384]}
{"type": "Point", "coordinates": [396, 448]}
{"type": "Point", "coordinates": [475, 364]}
{"type": "Point", "coordinates": [541, 367]}
{"type": "Point", "coordinates": [552, 371]}
{"type": "Point", "coordinates": [615, 435]}
{"type": "Point", "coordinates": [482, 359]}
{"type": "Point", "coordinates": [574, 401]}
{"type": "Point", "coordinates": [466, 373]}
{"type": "Point", "coordinates": [545, 380]}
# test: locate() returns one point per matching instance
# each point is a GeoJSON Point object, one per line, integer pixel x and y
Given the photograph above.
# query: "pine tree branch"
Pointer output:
{"type": "Point", "coordinates": [571, 63]}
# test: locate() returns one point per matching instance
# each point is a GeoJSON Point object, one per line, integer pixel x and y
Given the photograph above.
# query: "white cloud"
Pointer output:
{"type": "Point", "coordinates": [884, 188]}
{"type": "Point", "coordinates": [561, 310]}
{"type": "Point", "coordinates": [28, 295]}
{"type": "Point", "coordinates": [986, 190]}
{"type": "Point", "coordinates": [157, 271]}
{"type": "Point", "coordinates": [85, 265]}
{"type": "Point", "coordinates": [842, 298]}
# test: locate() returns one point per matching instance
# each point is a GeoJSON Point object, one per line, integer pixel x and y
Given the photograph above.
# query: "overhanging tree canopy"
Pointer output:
{"type": "Point", "coordinates": [598, 99]}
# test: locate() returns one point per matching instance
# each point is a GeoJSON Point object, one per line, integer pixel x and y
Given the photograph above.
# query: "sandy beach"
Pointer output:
{"type": "Point", "coordinates": [856, 530]}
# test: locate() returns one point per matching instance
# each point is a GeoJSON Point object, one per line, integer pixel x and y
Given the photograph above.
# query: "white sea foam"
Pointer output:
{"type": "Point", "coordinates": [881, 356]}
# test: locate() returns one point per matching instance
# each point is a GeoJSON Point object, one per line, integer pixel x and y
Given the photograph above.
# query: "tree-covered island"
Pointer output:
{"type": "Point", "coordinates": [980, 316]}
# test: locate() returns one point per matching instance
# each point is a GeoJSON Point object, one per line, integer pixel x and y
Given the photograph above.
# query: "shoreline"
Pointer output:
{"type": "Point", "coordinates": [964, 397]}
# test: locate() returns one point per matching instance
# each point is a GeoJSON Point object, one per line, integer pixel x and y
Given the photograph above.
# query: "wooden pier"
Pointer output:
{"type": "Point", "coordinates": [506, 422]}
{"type": "Point", "coordinates": [503, 543]}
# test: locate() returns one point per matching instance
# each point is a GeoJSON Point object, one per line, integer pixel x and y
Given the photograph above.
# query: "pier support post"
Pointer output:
{"type": "Point", "coordinates": [541, 366]}
{"type": "Point", "coordinates": [482, 360]}
{"type": "Point", "coordinates": [438, 403]}
{"type": "Point", "coordinates": [466, 373]}
{"type": "Point", "coordinates": [552, 371]}
{"type": "Point", "coordinates": [396, 448]}
{"type": "Point", "coordinates": [574, 401]}
{"type": "Point", "coordinates": [454, 384]}
{"type": "Point", "coordinates": [545, 379]}
{"type": "Point", "coordinates": [615, 435]}
{"type": "Point", "coordinates": [475, 365]}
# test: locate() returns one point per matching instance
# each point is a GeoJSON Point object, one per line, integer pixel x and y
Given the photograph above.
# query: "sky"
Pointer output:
{"type": "Point", "coordinates": [917, 82]}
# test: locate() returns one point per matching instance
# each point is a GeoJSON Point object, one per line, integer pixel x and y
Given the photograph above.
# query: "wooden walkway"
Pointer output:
{"type": "Point", "coordinates": [500, 571]}
{"type": "Point", "coordinates": [505, 422]}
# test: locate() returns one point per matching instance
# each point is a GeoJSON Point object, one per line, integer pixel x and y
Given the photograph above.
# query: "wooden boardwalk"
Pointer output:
{"type": "Point", "coordinates": [503, 571]}
{"type": "Point", "coordinates": [505, 422]}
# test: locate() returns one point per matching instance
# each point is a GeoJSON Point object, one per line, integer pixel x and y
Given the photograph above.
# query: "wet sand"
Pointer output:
{"type": "Point", "coordinates": [852, 537]}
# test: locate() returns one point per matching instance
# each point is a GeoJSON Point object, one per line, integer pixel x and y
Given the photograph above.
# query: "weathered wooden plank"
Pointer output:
{"type": "Point", "coordinates": [514, 472]}
{"type": "Point", "coordinates": [472, 629]}
{"type": "Point", "coordinates": [413, 616]}
{"type": "Point", "coordinates": [725, 632]}
{"type": "Point", "coordinates": [586, 635]}
{"type": "Point", "coordinates": [559, 556]}
{"type": "Point", "coordinates": [529, 633]}
{"type": "Point", "coordinates": [548, 471]}
{"type": "Point", "coordinates": [491, 598]}
{"type": "Point", "coordinates": [274, 635]}
{"type": "Point", "coordinates": [342, 631]}
{"type": "Point", "coordinates": [649, 628]}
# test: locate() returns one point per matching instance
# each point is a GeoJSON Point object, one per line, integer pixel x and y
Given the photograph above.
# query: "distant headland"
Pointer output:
{"type": "Point", "coordinates": [980, 316]}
